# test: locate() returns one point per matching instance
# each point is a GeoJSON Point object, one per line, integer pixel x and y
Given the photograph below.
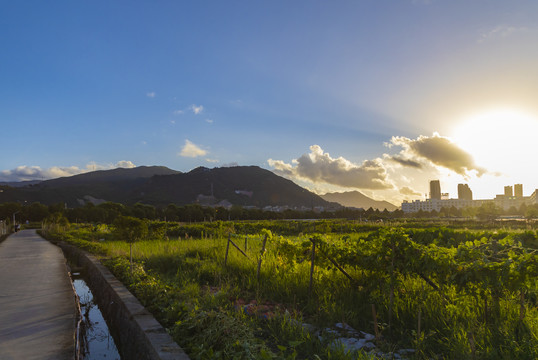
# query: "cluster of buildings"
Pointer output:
{"type": "Point", "coordinates": [512, 197]}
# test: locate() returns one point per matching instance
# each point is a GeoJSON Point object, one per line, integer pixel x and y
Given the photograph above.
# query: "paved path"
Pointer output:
{"type": "Point", "coordinates": [37, 307]}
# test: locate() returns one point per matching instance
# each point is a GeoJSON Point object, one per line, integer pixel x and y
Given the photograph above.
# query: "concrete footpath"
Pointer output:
{"type": "Point", "coordinates": [37, 304]}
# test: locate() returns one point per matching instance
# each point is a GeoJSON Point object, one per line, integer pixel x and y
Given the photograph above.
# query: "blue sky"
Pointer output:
{"type": "Point", "coordinates": [375, 96]}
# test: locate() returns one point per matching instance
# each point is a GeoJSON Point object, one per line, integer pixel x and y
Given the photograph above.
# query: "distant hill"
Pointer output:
{"type": "Point", "coordinates": [103, 185]}
{"type": "Point", "coordinates": [240, 185]}
{"type": "Point", "coordinates": [358, 200]}
{"type": "Point", "coordinates": [19, 183]}
{"type": "Point", "coordinates": [110, 176]}
{"type": "Point", "coordinates": [160, 186]}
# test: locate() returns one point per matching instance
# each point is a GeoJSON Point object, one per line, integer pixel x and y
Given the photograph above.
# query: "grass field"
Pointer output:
{"type": "Point", "coordinates": [445, 293]}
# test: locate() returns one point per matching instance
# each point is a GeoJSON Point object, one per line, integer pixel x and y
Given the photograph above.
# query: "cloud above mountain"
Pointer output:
{"type": "Point", "coordinates": [191, 150]}
{"type": "Point", "coordinates": [29, 173]}
{"type": "Point", "coordinates": [319, 167]}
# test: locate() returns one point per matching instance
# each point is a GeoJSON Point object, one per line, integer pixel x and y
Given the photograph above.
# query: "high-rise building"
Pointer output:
{"type": "Point", "coordinates": [518, 190]}
{"type": "Point", "coordinates": [464, 192]}
{"type": "Point", "coordinates": [504, 201]}
{"type": "Point", "coordinates": [435, 189]}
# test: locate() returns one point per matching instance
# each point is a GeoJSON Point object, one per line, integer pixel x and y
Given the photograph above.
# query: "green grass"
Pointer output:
{"type": "Point", "coordinates": [189, 289]}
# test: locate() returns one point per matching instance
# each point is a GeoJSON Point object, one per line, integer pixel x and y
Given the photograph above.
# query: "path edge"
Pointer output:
{"type": "Point", "coordinates": [141, 336]}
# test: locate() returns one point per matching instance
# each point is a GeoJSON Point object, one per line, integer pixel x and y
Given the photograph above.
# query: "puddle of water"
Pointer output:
{"type": "Point", "coordinates": [99, 343]}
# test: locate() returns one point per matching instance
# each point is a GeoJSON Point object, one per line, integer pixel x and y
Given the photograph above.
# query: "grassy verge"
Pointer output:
{"type": "Point", "coordinates": [186, 288]}
{"type": "Point", "coordinates": [218, 311]}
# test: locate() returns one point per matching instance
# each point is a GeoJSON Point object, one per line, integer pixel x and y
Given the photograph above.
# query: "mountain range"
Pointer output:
{"type": "Point", "coordinates": [358, 200]}
{"type": "Point", "coordinates": [160, 186]}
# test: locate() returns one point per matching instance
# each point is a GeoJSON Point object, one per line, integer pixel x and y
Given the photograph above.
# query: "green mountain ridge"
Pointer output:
{"type": "Point", "coordinates": [240, 185]}
{"type": "Point", "coordinates": [160, 186]}
{"type": "Point", "coordinates": [113, 175]}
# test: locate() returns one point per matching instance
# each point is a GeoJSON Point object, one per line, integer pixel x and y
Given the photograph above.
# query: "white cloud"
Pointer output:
{"type": "Point", "coordinates": [404, 173]}
{"type": "Point", "coordinates": [437, 150]}
{"type": "Point", "coordinates": [125, 164]}
{"type": "Point", "coordinates": [191, 150]}
{"type": "Point", "coordinates": [28, 173]}
{"type": "Point", "coordinates": [209, 121]}
{"type": "Point", "coordinates": [196, 109]}
{"type": "Point", "coordinates": [178, 112]}
{"type": "Point", "coordinates": [500, 32]}
{"type": "Point", "coordinates": [212, 160]}
{"type": "Point", "coordinates": [151, 94]}
{"type": "Point", "coordinates": [320, 167]}
{"type": "Point", "coordinates": [405, 190]}
{"type": "Point", "coordinates": [232, 164]}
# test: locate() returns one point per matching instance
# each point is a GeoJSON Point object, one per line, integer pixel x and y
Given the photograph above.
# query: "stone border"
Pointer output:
{"type": "Point", "coordinates": [140, 335]}
{"type": "Point", "coordinates": [4, 237]}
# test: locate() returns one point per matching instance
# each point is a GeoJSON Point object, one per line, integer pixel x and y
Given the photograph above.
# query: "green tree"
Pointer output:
{"type": "Point", "coordinates": [109, 211]}
{"type": "Point", "coordinates": [454, 211]}
{"type": "Point", "coordinates": [56, 222]}
{"type": "Point", "coordinates": [37, 212]}
{"type": "Point", "coordinates": [469, 212]}
{"type": "Point", "coordinates": [143, 211]}
{"type": "Point", "coordinates": [488, 211]}
{"type": "Point", "coordinates": [531, 212]}
{"type": "Point", "coordinates": [236, 212]}
{"type": "Point", "coordinates": [171, 212]}
{"type": "Point", "coordinates": [522, 209]}
{"type": "Point", "coordinates": [157, 230]}
{"type": "Point", "coordinates": [130, 229]}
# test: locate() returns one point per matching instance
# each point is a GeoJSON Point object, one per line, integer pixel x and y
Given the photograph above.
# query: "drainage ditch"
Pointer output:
{"type": "Point", "coordinates": [139, 336]}
{"type": "Point", "coordinates": [95, 340]}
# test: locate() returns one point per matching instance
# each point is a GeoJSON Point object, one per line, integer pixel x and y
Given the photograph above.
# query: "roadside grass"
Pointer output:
{"type": "Point", "coordinates": [187, 286]}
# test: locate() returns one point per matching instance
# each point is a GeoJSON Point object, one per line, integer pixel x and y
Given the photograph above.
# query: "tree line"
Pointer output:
{"type": "Point", "coordinates": [106, 213]}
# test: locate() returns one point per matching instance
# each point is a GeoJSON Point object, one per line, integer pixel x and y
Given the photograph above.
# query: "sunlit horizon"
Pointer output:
{"type": "Point", "coordinates": [344, 96]}
{"type": "Point", "coordinates": [500, 140]}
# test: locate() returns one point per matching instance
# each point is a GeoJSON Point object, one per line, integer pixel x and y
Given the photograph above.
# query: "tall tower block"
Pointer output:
{"type": "Point", "coordinates": [518, 190]}
{"type": "Point", "coordinates": [435, 189]}
{"type": "Point", "coordinates": [464, 192]}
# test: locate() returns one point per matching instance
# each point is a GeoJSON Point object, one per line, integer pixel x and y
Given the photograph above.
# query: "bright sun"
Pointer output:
{"type": "Point", "coordinates": [500, 140]}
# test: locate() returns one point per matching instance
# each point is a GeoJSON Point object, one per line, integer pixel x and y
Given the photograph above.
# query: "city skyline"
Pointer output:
{"type": "Point", "coordinates": [465, 192]}
{"type": "Point", "coordinates": [354, 95]}
{"type": "Point", "coordinates": [437, 201]}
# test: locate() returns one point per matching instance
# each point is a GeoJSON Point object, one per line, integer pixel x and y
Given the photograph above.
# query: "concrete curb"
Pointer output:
{"type": "Point", "coordinates": [140, 335]}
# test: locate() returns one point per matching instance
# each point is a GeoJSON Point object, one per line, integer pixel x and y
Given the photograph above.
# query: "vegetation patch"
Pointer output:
{"type": "Point", "coordinates": [411, 292]}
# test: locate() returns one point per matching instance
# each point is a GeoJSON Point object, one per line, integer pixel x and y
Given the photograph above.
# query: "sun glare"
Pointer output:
{"type": "Point", "coordinates": [499, 140]}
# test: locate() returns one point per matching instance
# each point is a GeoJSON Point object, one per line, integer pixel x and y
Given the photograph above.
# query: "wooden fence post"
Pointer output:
{"type": "Point", "coordinates": [227, 248]}
{"type": "Point", "coordinates": [313, 257]}
{"type": "Point", "coordinates": [376, 326]}
{"type": "Point", "coordinates": [472, 344]}
{"type": "Point", "coordinates": [392, 281]}
{"type": "Point", "coordinates": [260, 259]}
{"type": "Point", "coordinates": [238, 249]}
{"type": "Point", "coordinates": [521, 305]}
{"type": "Point", "coordinates": [418, 324]}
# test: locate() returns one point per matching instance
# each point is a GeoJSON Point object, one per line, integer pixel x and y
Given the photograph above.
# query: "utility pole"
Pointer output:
{"type": "Point", "coordinates": [14, 227]}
